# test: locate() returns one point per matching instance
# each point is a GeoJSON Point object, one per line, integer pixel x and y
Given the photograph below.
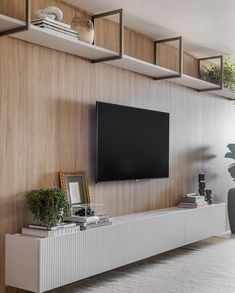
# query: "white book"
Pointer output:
{"type": "Point", "coordinates": [60, 226]}
{"type": "Point", "coordinates": [74, 35]}
{"type": "Point", "coordinates": [79, 219]}
{"type": "Point", "coordinates": [49, 233]}
{"type": "Point", "coordinates": [52, 21]}
{"type": "Point", "coordinates": [44, 23]}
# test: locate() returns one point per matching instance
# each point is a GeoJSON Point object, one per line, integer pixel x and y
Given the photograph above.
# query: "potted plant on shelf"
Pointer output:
{"type": "Point", "coordinates": [212, 74]}
{"type": "Point", "coordinates": [231, 192]}
{"type": "Point", "coordinates": [48, 206]}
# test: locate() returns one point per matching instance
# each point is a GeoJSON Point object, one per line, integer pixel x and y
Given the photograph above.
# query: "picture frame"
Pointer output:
{"type": "Point", "coordinates": [75, 185]}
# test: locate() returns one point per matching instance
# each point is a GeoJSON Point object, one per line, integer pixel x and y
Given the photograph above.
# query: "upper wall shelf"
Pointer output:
{"type": "Point", "coordinates": [67, 44]}
{"type": "Point", "coordinates": [142, 67]}
{"type": "Point", "coordinates": [8, 23]}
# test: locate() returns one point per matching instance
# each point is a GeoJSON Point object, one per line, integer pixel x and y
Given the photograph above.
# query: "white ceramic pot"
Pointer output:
{"type": "Point", "coordinates": [86, 34]}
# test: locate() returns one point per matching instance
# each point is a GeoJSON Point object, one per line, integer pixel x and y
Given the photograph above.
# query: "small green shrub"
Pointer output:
{"type": "Point", "coordinates": [48, 206]}
{"type": "Point", "coordinates": [212, 74]}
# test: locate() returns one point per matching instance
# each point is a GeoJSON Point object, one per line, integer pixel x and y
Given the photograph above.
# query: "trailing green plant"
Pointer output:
{"type": "Point", "coordinates": [48, 206]}
{"type": "Point", "coordinates": [212, 74]}
{"type": "Point", "coordinates": [231, 155]}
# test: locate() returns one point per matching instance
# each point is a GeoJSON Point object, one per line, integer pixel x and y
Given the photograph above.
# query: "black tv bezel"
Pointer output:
{"type": "Point", "coordinates": [96, 147]}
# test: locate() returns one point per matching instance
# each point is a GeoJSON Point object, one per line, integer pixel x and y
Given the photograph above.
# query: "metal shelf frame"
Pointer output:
{"type": "Point", "coordinates": [27, 21]}
{"type": "Point", "coordinates": [121, 34]}
{"type": "Point", "coordinates": [180, 69]}
{"type": "Point", "coordinates": [220, 85]}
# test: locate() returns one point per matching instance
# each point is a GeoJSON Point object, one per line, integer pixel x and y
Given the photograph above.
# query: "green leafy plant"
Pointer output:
{"type": "Point", "coordinates": [231, 155]}
{"type": "Point", "coordinates": [48, 206]}
{"type": "Point", "coordinates": [212, 74]}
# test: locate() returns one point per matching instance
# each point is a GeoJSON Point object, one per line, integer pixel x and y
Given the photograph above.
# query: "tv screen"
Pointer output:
{"type": "Point", "coordinates": [131, 143]}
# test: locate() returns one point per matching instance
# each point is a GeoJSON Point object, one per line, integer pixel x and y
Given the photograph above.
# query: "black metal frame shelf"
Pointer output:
{"type": "Point", "coordinates": [180, 69]}
{"type": "Point", "coordinates": [27, 21]}
{"type": "Point", "coordinates": [121, 33]}
{"type": "Point", "coordinates": [54, 40]}
{"type": "Point", "coordinates": [199, 60]}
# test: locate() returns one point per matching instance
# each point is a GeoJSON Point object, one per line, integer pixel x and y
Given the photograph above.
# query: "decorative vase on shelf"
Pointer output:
{"type": "Point", "coordinates": [84, 28]}
{"type": "Point", "coordinates": [231, 192]}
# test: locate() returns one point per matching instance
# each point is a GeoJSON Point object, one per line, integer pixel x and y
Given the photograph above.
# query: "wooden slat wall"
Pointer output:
{"type": "Point", "coordinates": [47, 107]}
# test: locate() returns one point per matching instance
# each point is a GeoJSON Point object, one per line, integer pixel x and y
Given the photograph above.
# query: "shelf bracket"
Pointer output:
{"type": "Point", "coordinates": [180, 70]}
{"type": "Point", "coordinates": [121, 34]}
{"type": "Point", "coordinates": [220, 85]}
{"type": "Point", "coordinates": [27, 21]}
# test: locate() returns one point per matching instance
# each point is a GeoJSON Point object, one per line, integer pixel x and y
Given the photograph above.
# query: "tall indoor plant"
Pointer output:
{"type": "Point", "coordinates": [48, 206]}
{"type": "Point", "coordinates": [231, 193]}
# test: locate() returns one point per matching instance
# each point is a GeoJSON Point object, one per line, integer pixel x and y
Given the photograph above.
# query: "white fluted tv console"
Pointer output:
{"type": "Point", "coordinates": [41, 264]}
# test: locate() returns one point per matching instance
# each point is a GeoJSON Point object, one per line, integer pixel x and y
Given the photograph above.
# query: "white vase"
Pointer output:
{"type": "Point", "coordinates": [86, 34]}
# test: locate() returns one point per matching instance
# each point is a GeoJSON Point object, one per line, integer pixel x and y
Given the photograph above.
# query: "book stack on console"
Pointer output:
{"type": "Point", "coordinates": [192, 201]}
{"type": "Point", "coordinates": [41, 231]}
{"type": "Point", "coordinates": [90, 222]}
{"type": "Point", "coordinates": [55, 25]}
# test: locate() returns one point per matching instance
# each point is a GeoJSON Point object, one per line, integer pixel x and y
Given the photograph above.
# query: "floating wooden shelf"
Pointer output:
{"type": "Point", "coordinates": [61, 42]}
{"type": "Point", "coordinates": [142, 67]}
{"type": "Point", "coordinates": [224, 93]}
{"type": "Point", "coordinates": [194, 83]}
{"type": "Point", "coordinates": [8, 23]}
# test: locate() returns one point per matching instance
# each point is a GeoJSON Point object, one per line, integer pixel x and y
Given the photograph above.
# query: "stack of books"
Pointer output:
{"type": "Point", "coordinates": [41, 231]}
{"type": "Point", "coordinates": [192, 201]}
{"type": "Point", "coordinates": [55, 25]}
{"type": "Point", "coordinates": [90, 222]}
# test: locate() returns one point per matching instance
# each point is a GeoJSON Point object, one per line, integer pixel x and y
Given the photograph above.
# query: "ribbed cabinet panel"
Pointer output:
{"type": "Point", "coordinates": [57, 261]}
{"type": "Point", "coordinates": [69, 258]}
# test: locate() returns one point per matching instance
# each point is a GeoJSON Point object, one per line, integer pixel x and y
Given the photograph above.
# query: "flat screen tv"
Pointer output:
{"type": "Point", "coordinates": [132, 143]}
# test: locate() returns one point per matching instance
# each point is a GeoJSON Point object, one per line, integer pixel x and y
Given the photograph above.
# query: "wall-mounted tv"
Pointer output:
{"type": "Point", "coordinates": [131, 143]}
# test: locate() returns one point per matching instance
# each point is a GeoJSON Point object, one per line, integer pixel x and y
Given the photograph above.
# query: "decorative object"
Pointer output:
{"type": "Point", "coordinates": [212, 74]}
{"type": "Point", "coordinates": [202, 184]}
{"type": "Point", "coordinates": [75, 186]}
{"type": "Point", "coordinates": [48, 206]}
{"type": "Point", "coordinates": [51, 12]}
{"type": "Point", "coordinates": [231, 192]}
{"type": "Point", "coordinates": [54, 25]}
{"type": "Point", "coordinates": [84, 28]}
{"type": "Point", "coordinates": [208, 196]}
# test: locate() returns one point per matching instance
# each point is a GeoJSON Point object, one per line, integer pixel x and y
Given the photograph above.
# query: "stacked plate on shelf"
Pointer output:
{"type": "Point", "coordinates": [58, 26]}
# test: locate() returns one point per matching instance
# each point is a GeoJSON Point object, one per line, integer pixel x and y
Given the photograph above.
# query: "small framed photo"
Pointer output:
{"type": "Point", "coordinates": [75, 185]}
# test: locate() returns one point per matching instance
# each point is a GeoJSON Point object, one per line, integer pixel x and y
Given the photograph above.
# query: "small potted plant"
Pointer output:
{"type": "Point", "coordinates": [48, 206]}
{"type": "Point", "coordinates": [231, 193]}
{"type": "Point", "coordinates": [213, 74]}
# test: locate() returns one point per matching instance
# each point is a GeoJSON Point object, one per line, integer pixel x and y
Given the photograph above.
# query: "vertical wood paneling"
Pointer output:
{"type": "Point", "coordinates": [47, 105]}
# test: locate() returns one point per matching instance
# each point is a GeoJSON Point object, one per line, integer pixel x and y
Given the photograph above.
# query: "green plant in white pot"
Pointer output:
{"type": "Point", "coordinates": [48, 206]}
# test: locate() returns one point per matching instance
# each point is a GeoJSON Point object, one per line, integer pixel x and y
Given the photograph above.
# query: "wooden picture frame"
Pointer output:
{"type": "Point", "coordinates": [75, 185]}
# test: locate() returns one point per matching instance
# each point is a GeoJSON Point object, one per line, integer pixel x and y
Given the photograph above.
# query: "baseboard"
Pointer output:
{"type": "Point", "coordinates": [226, 234]}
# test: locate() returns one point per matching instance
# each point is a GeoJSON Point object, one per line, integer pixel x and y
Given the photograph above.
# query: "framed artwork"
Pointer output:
{"type": "Point", "coordinates": [75, 185]}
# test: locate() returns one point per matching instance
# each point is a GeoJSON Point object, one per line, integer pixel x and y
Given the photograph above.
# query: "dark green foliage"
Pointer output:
{"type": "Point", "coordinates": [213, 75]}
{"type": "Point", "coordinates": [48, 205]}
{"type": "Point", "coordinates": [231, 155]}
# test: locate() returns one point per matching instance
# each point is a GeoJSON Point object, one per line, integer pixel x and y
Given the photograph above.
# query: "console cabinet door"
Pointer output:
{"type": "Point", "coordinates": [199, 224]}
{"type": "Point", "coordinates": [153, 236]}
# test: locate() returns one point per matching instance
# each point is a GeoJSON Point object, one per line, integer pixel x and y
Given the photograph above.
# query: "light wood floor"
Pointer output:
{"type": "Point", "coordinates": [204, 267]}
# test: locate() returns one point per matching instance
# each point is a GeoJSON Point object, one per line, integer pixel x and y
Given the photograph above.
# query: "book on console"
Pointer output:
{"type": "Point", "coordinates": [81, 219]}
{"type": "Point", "coordinates": [49, 233]}
{"type": "Point", "coordinates": [100, 223]}
{"type": "Point", "coordinates": [193, 199]}
{"type": "Point", "coordinates": [191, 205]}
{"type": "Point", "coordinates": [60, 226]}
